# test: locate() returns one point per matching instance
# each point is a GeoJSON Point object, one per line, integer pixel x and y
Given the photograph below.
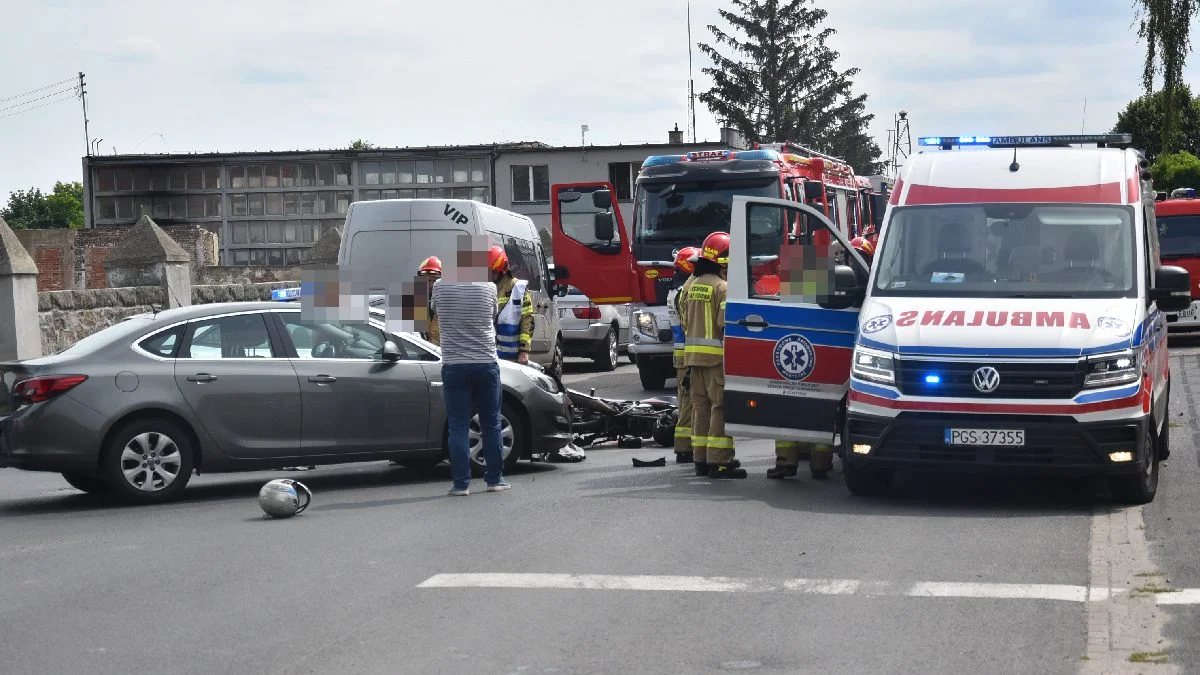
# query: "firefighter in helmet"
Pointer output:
{"type": "Point", "coordinates": [864, 247]}
{"type": "Point", "coordinates": [514, 323]}
{"type": "Point", "coordinates": [683, 427]}
{"type": "Point", "coordinates": [703, 318]}
{"type": "Point", "coordinates": [431, 269]}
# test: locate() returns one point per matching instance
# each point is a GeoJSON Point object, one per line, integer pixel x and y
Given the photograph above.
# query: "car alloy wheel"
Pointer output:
{"type": "Point", "coordinates": [508, 439]}
{"type": "Point", "coordinates": [151, 461]}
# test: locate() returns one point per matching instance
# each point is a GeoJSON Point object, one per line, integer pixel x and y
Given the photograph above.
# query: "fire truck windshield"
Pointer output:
{"type": "Point", "coordinates": [688, 211]}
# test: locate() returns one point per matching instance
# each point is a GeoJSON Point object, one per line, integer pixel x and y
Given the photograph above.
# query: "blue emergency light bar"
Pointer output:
{"type": "Point", "coordinates": [948, 142]}
{"type": "Point", "coordinates": [712, 156]}
{"type": "Point", "coordinates": [286, 294]}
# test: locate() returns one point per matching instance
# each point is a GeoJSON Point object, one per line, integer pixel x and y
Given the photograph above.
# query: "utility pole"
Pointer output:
{"type": "Point", "coordinates": [83, 97]}
{"type": "Point", "coordinates": [691, 83]}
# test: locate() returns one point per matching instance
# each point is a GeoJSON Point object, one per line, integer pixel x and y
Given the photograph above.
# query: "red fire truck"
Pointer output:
{"type": "Point", "coordinates": [679, 200]}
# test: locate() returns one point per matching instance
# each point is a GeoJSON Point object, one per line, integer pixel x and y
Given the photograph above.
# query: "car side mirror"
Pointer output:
{"type": "Point", "coordinates": [391, 351]}
{"type": "Point", "coordinates": [602, 223]}
{"type": "Point", "coordinates": [1172, 289]}
{"type": "Point", "coordinates": [846, 291]}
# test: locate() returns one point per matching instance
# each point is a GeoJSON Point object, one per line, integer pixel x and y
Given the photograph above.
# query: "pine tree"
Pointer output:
{"type": "Point", "coordinates": [782, 84]}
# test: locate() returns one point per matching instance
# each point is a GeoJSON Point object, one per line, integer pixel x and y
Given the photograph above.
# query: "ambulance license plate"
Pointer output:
{"type": "Point", "coordinates": [995, 437]}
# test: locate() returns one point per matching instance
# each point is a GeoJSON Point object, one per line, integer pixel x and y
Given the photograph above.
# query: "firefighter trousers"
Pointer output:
{"type": "Point", "coordinates": [709, 442]}
{"type": "Point", "coordinates": [788, 453]}
{"type": "Point", "coordinates": [683, 426]}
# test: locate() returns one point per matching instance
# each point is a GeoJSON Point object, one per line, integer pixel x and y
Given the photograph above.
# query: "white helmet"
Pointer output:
{"type": "Point", "coordinates": [280, 498]}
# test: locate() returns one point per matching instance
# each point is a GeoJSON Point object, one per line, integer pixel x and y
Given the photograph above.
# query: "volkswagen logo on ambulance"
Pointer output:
{"type": "Point", "coordinates": [985, 380]}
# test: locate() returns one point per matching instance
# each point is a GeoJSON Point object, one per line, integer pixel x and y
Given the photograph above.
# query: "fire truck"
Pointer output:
{"type": "Point", "coordinates": [678, 201]}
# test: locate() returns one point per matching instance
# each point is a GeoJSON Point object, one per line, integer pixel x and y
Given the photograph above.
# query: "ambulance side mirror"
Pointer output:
{"type": "Point", "coordinates": [846, 291]}
{"type": "Point", "coordinates": [1172, 289]}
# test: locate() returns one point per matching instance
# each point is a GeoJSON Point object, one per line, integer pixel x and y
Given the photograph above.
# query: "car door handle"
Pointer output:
{"type": "Point", "coordinates": [201, 377]}
{"type": "Point", "coordinates": [753, 323]}
{"type": "Point", "coordinates": [322, 379]}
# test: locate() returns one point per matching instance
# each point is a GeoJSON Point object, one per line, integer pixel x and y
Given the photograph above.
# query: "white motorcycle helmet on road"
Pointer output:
{"type": "Point", "coordinates": [280, 498]}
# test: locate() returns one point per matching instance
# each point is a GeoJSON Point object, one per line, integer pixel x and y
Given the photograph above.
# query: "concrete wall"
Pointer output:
{"type": "Point", "coordinates": [74, 259]}
{"type": "Point", "coordinates": [576, 165]}
{"type": "Point", "coordinates": [65, 317]}
{"type": "Point", "coordinates": [244, 274]}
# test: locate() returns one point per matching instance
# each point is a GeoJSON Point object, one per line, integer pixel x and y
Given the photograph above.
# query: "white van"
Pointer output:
{"type": "Point", "coordinates": [1014, 320]}
{"type": "Point", "coordinates": [384, 242]}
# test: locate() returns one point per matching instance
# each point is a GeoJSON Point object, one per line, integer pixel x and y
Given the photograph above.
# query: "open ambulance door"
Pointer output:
{"type": "Point", "coordinates": [592, 251]}
{"type": "Point", "coordinates": [788, 343]}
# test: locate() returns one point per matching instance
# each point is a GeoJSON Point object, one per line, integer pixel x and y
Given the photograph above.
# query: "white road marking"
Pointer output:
{"type": "Point", "coordinates": [694, 584]}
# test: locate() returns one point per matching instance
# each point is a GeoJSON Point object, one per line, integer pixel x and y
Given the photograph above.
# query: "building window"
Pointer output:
{"type": "Point", "coordinates": [443, 171]}
{"type": "Point", "coordinates": [237, 205]}
{"type": "Point", "coordinates": [195, 178]}
{"type": "Point", "coordinates": [481, 194]}
{"type": "Point", "coordinates": [341, 171]}
{"type": "Point", "coordinates": [531, 183]}
{"type": "Point", "coordinates": [370, 173]}
{"type": "Point", "coordinates": [274, 204]}
{"type": "Point", "coordinates": [291, 204]}
{"type": "Point", "coordinates": [325, 174]}
{"type": "Point", "coordinates": [271, 176]}
{"type": "Point", "coordinates": [124, 179]}
{"type": "Point", "coordinates": [178, 178]}
{"type": "Point", "coordinates": [387, 173]}
{"type": "Point", "coordinates": [308, 175]}
{"type": "Point", "coordinates": [254, 176]}
{"type": "Point", "coordinates": [623, 176]}
{"type": "Point", "coordinates": [424, 172]}
{"type": "Point", "coordinates": [237, 176]}
{"type": "Point", "coordinates": [287, 175]}
{"type": "Point", "coordinates": [141, 178]}
{"type": "Point", "coordinates": [479, 170]}
{"type": "Point", "coordinates": [404, 172]}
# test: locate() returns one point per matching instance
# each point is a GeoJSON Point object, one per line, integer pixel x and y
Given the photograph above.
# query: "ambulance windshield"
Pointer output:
{"type": "Point", "coordinates": [688, 211]}
{"type": "Point", "coordinates": [1008, 250]}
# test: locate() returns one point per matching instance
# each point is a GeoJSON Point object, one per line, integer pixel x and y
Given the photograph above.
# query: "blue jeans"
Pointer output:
{"type": "Point", "coordinates": [469, 388]}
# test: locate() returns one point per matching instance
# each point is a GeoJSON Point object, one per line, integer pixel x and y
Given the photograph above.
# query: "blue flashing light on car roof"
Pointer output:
{"type": "Point", "coordinates": [286, 294]}
{"type": "Point", "coordinates": [771, 155]}
{"type": "Point", "coordinates": [661, 160]}
{"type": "Point", "coordinates": [712, 156]}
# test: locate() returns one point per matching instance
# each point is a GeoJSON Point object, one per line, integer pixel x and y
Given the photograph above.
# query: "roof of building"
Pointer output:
{"type": "Point", "coordinates": [673, 147]}
{"type": "Point", "coordinates": [330, 152]}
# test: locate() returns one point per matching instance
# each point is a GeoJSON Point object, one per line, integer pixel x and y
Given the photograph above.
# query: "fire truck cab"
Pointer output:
{"type": "Point", "coordinates": [1013, 321]}
{"type": "Point", "coordinates": [678, 201]}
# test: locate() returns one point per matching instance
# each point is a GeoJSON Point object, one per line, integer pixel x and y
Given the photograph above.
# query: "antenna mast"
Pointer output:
{"type": "Point", "coordinates": [901, 143]}
{"type": "Point", "coordinates": [691, 82]}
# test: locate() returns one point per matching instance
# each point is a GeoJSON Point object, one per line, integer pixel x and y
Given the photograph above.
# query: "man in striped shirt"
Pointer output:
{"type": "Point", "coordinates": [466, 307]}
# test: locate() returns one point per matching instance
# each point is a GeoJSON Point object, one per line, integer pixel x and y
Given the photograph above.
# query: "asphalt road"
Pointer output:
{"type": "Point", "coordinates": [598, 567]}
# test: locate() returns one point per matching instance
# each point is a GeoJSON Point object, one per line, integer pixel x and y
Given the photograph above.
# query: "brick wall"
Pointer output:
{"type": "Point", "coordinates": [74, 259]}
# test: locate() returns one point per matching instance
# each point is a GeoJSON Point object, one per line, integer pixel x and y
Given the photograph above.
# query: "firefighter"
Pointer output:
{"type": "Point", "coordinates": [431, 268]}
{"type": "Point", "coordinates": [703, 318]}
{"type": "Point", "coordinates": [514, 322]}
{"type": "Point", "coordinates": [865, 248]}
{"type": "Point", "coordinates": [683, 427]}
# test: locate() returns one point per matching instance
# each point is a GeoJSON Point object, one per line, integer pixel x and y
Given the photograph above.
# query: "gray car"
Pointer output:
{"type": "Point", "coordinates": [135, 409]}
{"type": "Point", "coordinates": [597, 332]}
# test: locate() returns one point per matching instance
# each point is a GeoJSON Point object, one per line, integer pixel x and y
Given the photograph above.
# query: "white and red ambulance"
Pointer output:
{"type": "Point", "coordinates": [1013, 320]}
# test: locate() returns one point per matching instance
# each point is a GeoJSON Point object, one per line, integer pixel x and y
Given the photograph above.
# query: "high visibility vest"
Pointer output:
{"type": "Point", "coordinates": [673, 315]}
{"type": "Point", "coordinates": [508, 323]}
{"type": "Point", "coordinates": [703, 316]}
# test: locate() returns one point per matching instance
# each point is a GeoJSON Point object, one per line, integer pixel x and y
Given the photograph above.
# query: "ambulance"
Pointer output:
{"type": "Point", "coordinates": [1014, 319]}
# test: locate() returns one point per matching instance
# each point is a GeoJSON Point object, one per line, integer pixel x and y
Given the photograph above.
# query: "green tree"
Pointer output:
{"type": "Point", "coordinates": [1166, 25]}
{"type": "Point", "coordinates": [31, 209]}
{"type": "Point", "coordinates": [360, 144]}
{"type": "Point", "coordinates": [1176, 170]}
{"type": "Point", "coordinates": [1143, 118]}
{"type": "Point", "coordinates": [780, 81]}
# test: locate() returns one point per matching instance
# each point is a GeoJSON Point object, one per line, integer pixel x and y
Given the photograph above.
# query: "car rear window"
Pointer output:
{"type": "Point", "coordinates": [164, 344]}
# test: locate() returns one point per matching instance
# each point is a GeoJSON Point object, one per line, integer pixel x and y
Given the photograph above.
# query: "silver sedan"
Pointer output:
{"type": "Point", "coordinates": [135, 409]}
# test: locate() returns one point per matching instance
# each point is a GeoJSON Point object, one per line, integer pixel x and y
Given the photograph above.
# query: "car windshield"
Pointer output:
{"type": "Point", "coordinates": [1008, 250]}
{"type": "Point", "coordinates": [689, 211]}
{"type": "Point", "coordinates": [1179, 236]}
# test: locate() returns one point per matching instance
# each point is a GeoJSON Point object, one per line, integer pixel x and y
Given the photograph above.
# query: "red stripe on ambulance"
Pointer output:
{"type": "Point", "coordinates": [748, 357]}
{"type": "Point", "coordinates": [1105, 193]}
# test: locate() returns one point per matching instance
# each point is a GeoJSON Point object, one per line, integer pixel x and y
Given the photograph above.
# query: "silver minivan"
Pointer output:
{"type": "Point", "coordinates": [384, 241]}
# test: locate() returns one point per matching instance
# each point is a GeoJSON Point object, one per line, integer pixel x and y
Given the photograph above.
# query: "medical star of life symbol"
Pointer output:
{"type": "Point", "coordinates": [794, 357]}
{"type": "Point", "coordinates": [877, 323]}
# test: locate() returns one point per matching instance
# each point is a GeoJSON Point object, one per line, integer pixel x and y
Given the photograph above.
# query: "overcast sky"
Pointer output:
{"type": "Point", "coordinates": [174, 76]}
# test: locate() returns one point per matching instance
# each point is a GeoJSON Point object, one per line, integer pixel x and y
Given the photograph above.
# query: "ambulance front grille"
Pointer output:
{"type": "Point", "coordinates": [1029, 380]}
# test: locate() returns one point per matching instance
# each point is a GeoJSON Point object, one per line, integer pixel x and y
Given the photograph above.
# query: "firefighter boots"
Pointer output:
{"type": "Point", "coordinates": [724, 471]}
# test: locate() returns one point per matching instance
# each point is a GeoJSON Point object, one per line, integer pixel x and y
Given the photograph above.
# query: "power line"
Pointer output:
{"type": "Point", "coordinates": [34, 91]}
{"type": "Point", "coordinates": [32, 100]}
{"type": "Point", "coordinates": [25, 110]}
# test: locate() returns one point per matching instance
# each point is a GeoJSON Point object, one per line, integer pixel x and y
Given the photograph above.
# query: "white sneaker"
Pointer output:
{"type": "Point", "coordinates": [499, 487]}
{"type": "Point", "coordinates": [455, 492]}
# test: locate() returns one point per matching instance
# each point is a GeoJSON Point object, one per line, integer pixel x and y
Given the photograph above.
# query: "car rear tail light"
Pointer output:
{"type": "Point", "coordinates": [589, 312]}
{"type": "Point", "coordinates": [38, 389]}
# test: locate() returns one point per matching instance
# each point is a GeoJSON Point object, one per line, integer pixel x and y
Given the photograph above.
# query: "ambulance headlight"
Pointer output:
{"type": "Point", "coordinates": [1107, 370]}
{"type": "Point", "coordinates": [646, 324]}
{"type": "Point", "coordinates": [873, 365]}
